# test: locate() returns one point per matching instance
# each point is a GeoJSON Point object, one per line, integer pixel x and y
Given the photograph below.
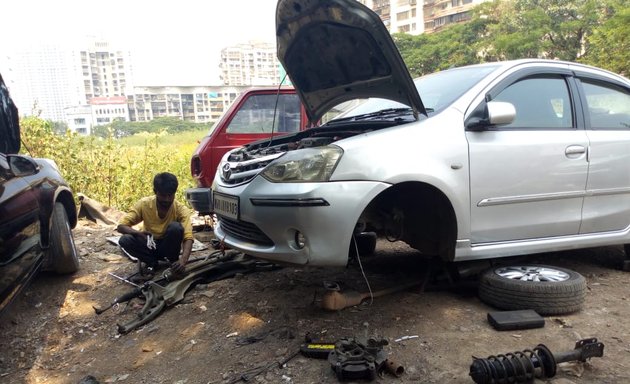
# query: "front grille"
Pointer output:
{"type": "Point", "coordinates": [240, 172]}
{"type": "Point", "coordinates": [244, 231]}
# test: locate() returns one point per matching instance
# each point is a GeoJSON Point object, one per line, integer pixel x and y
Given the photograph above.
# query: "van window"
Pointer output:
{"type": "Point", "coordinates": [256, 115]}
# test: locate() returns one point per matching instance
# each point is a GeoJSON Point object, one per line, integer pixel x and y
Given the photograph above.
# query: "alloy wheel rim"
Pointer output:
{"type": "Point", "coordinates": [532, 273]}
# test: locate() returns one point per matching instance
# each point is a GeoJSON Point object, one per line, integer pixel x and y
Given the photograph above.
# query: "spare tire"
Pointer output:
{"type": "Point", "coordinates": [546, 289]}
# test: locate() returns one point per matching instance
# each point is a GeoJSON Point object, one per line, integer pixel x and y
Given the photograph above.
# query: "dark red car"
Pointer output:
{"type": "Point", "coordinates": [250, 117]}
{"type": "Point", "coordinates": [37, 211]}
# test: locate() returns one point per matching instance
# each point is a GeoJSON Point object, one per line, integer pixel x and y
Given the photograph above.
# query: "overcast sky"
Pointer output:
{"type": "Point", "coordinates": [184, 36]}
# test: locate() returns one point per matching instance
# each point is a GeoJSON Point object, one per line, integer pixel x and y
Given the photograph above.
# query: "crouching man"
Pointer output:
{"type": "Point", "coordinates": [166, 228]}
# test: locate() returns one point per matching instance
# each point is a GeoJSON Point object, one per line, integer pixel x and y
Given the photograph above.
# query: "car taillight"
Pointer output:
{"type": "Point", "coordinates": [195, 166]}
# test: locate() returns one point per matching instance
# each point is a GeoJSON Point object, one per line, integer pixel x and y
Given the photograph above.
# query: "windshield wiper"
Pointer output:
{"type": "Point", "coordinates": [378, 115]}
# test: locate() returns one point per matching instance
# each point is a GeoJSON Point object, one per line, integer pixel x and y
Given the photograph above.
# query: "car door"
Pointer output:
{"type": "Point", "coordinates": [528, 178]}
{"type": "Point", "coordinates": [19, 232]}
{"type": "Point", "coordinates": [607, 110]}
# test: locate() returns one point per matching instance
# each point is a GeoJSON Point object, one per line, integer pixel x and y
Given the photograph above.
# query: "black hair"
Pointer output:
{"type": "Point", "coordinates": [165, 182]}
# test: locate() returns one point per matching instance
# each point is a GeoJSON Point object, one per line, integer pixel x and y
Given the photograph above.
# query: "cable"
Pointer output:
{"type": "Point", "coordinates": [356, 248]}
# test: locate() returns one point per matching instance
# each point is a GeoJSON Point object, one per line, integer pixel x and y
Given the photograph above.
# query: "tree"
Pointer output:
{"type": "Point", "coordinates": [555, 29]}
{"type": "Point", "coordinates": [591, 31]}
{"type": "Point", "coordinates": [452, 47]}
{"type": "Point", "coordinates": [609, 46]}
{"type": "Point", "coordinates": [121, 128]}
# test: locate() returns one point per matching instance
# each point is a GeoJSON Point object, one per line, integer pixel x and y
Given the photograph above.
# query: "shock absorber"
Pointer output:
{"type": "Point", "coordinates": [525, 366]}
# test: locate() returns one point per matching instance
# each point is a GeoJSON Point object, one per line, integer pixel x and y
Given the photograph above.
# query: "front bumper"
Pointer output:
{"type": "Point", "coordinates": [271, 214]}
{"type": "Point", "coordinates": [200, 199]}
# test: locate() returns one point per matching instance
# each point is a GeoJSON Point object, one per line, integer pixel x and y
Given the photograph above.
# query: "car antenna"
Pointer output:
{"type": "Point", "coordinates": [28, 150]}
{"type": "Point", "coordinates": [275, 109]}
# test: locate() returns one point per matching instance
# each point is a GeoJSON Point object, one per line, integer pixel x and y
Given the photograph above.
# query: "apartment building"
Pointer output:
{"type": "Point", "coordinates": [37, 76]}
{"type": "Point", "coordinates": [419, 16]}
{"type": "Point", "coordinates": [253, 63]}
{"type": "Point", "coordinates": [52, 80]}
{"type": "Point", "coordinates": [200, 104]}
{"type": "Point", "coordinates": [440, 13]}
{"type": "Point", "coordinates": [399, 16]}
{"type": "Point", "coordinates": [79, 119]}
{"type": "Point", "coordinates": [104, 71]}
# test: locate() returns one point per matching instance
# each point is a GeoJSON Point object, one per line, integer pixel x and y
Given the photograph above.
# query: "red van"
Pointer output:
{"type": "Point", "coordinates": [250, 117]}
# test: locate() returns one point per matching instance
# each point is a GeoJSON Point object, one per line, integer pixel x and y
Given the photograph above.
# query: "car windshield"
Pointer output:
{"type": "Point", "coordinates": [437, 90]}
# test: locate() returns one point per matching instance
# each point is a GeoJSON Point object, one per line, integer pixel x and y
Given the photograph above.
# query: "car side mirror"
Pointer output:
{"type": "Point", "coordinates": [500, 112]}
{"type": "Point", "coordinates": [490, 114]}
{"type": "Point", "coordinates": [22, 165]}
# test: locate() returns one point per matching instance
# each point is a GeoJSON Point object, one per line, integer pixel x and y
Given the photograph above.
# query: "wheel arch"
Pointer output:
{"type": "Point", "coordinates": [64, 196]}
{"type": "Point", "coordinates": [429, 219]}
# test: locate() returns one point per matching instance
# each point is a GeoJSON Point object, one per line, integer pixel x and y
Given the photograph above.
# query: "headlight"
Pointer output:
{"type": "Point", "coordinates": [304, 165]}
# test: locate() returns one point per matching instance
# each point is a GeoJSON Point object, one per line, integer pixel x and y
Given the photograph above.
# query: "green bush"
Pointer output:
{"type": "Point", "coordinates": [107, 169]}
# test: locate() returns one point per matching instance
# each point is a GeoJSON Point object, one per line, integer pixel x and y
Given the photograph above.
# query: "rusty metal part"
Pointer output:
{"type": "Point", "coordinates": [248, 375]}
{"type": "Point", "coordinates": [352, 360]}
{"type": "Point", "coordinates": [525, 366]}
{"type": "Point", "coordinates": [392, 367]}
{"type": "Point", "coordinates": [335, 300]}
{"type": "Point", "coordinates": [160, 280]}
{"type": "Point", "coordinates": [160, 296]}
{"type": "Point", "coordinates": [120, 299]}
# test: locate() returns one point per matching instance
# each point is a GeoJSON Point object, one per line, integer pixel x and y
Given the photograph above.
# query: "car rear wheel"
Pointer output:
{"type": "Point", "coordinates": [62, 251]}
{"type": "Point", "coordinates": [546, 289]}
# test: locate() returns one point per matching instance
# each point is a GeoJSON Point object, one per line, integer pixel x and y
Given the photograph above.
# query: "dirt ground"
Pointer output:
{"type": "Point", "coordinates": [52, 335]}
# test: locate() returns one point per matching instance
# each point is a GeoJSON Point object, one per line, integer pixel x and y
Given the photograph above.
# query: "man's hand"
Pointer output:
{"type": "Point", "coordinates": [178, 268]}
{"type": "Point", "coordinates": [142, 235]}
{"type": "Point", "coordinates": [127, 230]}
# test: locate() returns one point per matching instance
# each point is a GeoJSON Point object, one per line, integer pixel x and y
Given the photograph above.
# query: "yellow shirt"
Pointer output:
{"type": "Point", "coordinates": [145, 211]}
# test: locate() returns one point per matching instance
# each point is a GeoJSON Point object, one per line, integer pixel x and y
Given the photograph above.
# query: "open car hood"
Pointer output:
{"type": "Point", "coordinates": [339, 50]}
{"type": "Point", "coordinates": [9, 122]}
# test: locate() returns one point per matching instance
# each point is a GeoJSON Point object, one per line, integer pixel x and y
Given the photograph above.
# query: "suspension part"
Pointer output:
{"type": "Point", "coordinates": [353, 360]}
{"type": "Point", "coordinates": [525, 366]}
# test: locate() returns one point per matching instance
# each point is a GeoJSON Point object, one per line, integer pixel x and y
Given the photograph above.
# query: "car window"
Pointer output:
{"type": "Point", "coordinates": [437, 90]}
{"type": "Point", "coordinates": [256, 115]}
{"type": "Point", "coordinates": [540, 102]}
{"type": "Point", "coordinates": [608, 105]}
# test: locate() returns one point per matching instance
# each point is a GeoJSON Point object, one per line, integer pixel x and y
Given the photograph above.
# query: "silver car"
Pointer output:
{"type": "Point", "coordinates": [494, 160]}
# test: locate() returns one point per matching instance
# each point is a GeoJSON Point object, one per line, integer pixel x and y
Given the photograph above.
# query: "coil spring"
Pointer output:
{"type": "Point", "coordinates": [516, 367]}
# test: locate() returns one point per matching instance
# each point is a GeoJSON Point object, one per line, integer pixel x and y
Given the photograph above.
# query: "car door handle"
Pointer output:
{"type": "Point", "coordinates": [574, 151]}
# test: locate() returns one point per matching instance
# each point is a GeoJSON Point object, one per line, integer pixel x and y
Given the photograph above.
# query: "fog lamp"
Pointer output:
{"type": "Point", "coordinates": [300, 240]}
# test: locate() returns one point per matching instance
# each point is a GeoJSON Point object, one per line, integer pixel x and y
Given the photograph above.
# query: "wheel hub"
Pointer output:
{"type": "Point", "coordinates": [532, 273]}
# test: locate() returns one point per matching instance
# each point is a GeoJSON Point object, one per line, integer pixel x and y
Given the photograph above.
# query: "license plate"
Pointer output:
{"type": "Point", "coordinates": [225, 205]}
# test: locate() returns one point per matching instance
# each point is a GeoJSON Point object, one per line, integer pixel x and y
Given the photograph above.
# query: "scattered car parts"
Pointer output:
{"type": "Point", "coordinates": [353, 360]}
{"type": "Point", "coordinates": [334, 299]}
{"type": "Point", "coordinates": [548, 290]}
{"type": "Point", "coordinates": [525, 366]}
{"type": "Point", "coordinates": [168, 289]}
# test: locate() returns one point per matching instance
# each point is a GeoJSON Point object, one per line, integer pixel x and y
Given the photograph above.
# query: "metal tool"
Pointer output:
{"type": "Point", "coordinates": [126, 280]}
{"type": "Point", "coordinates": [525, 366]}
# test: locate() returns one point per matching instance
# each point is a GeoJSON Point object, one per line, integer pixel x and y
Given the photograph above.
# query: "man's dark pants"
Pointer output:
{"type": "Point", "coordinates": [167, 247]}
